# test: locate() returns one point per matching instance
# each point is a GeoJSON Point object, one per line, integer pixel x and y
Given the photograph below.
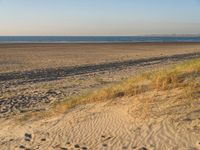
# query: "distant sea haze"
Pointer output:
{"type": "Point", "coordinates": [95, 39]}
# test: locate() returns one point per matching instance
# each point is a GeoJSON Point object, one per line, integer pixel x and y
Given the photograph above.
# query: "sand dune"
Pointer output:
{"type": "Point", "coordinates": [126, 123]}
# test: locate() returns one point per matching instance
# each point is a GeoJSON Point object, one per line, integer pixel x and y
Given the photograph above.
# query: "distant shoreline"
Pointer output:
{"type": "Point", "coordinates": [95, 43]}
{"type": "Point", "coordinates": [97, 39]}
{"type": "Point", "coordinates": [98, 43]}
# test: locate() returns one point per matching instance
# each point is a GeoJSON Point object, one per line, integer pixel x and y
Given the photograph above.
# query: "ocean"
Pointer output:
{"type": "Point", "coordinates": [95, 39]}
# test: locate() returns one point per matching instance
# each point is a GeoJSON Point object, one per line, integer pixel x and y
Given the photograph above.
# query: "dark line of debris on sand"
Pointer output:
{"type": "Point", "coordinates": [51, 74]}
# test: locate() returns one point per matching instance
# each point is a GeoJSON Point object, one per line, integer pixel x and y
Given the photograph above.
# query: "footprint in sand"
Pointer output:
{"type": "Point", "coordinates": [68, 145]}
{"type": "Point", "coordinates": [22, 147]}
{"type": "Point", "coordinates": [143, 148]}
{"type": "Point", "coordinates": [63, 148]}
{"type": "Point", "coordinates": [43, 139]}
{"type": "Point", "coordinates": [104, 145]}
{"type": "Point", "coordinates": [124, 147]}
{"type": "Point", "coordinates": [134, 147]}
{"type": "Point", "coordinates": [76, 146]}
{"type": "Point", "coordinates": [84, 148]}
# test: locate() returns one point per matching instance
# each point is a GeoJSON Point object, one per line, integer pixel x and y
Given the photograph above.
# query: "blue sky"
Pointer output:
{"type": "Point", "coordinates": [99, 17]}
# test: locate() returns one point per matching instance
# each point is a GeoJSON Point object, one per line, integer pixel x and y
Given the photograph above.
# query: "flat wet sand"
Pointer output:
{"type": "Point", "coordinates": [20, 57]}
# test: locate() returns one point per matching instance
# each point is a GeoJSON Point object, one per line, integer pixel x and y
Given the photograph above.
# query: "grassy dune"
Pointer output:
{"type": "Point", "coordinates": [184, 77]}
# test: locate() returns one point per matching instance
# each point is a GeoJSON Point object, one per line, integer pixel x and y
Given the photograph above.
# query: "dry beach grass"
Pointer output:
{"type": "Point", "coordinates": [153, 110]}
{"type": "Point", "coordinates": [184, 77]}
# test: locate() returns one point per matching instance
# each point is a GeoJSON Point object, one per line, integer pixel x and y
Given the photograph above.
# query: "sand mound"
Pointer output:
{"type": "Point", "coordinates": [126, 123]}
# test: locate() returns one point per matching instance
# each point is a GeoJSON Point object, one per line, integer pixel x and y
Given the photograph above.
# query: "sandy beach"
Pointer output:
{"type": "Point", "coordinates": [20, 57]}
{"type": "Point", "coordinates": [36, 77]}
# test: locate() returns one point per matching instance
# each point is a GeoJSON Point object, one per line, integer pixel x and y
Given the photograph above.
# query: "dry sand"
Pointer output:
{"type": "Point", "coordinates": [153, 121]}
{"type": "Point", "coordinates": [126, 123]}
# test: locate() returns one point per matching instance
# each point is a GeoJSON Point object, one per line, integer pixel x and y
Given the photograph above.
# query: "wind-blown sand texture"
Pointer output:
{"type": "Point", "coordinates": [122, 124]}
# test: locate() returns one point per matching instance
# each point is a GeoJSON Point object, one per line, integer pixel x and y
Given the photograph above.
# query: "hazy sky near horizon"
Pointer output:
{"type": "Point", "coordinates": [99, 17]}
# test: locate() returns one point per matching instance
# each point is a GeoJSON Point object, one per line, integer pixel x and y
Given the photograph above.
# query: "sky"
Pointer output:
{"type": "Point", "coordinates": [99, 17]}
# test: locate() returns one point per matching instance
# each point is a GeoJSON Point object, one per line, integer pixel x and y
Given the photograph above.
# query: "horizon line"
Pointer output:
{"type": "Point", "coordinates": [154, 35]}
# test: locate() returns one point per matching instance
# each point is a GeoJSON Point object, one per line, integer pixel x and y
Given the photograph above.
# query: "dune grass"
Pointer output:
{"type": "Point", "coordinates": [185, 76]}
